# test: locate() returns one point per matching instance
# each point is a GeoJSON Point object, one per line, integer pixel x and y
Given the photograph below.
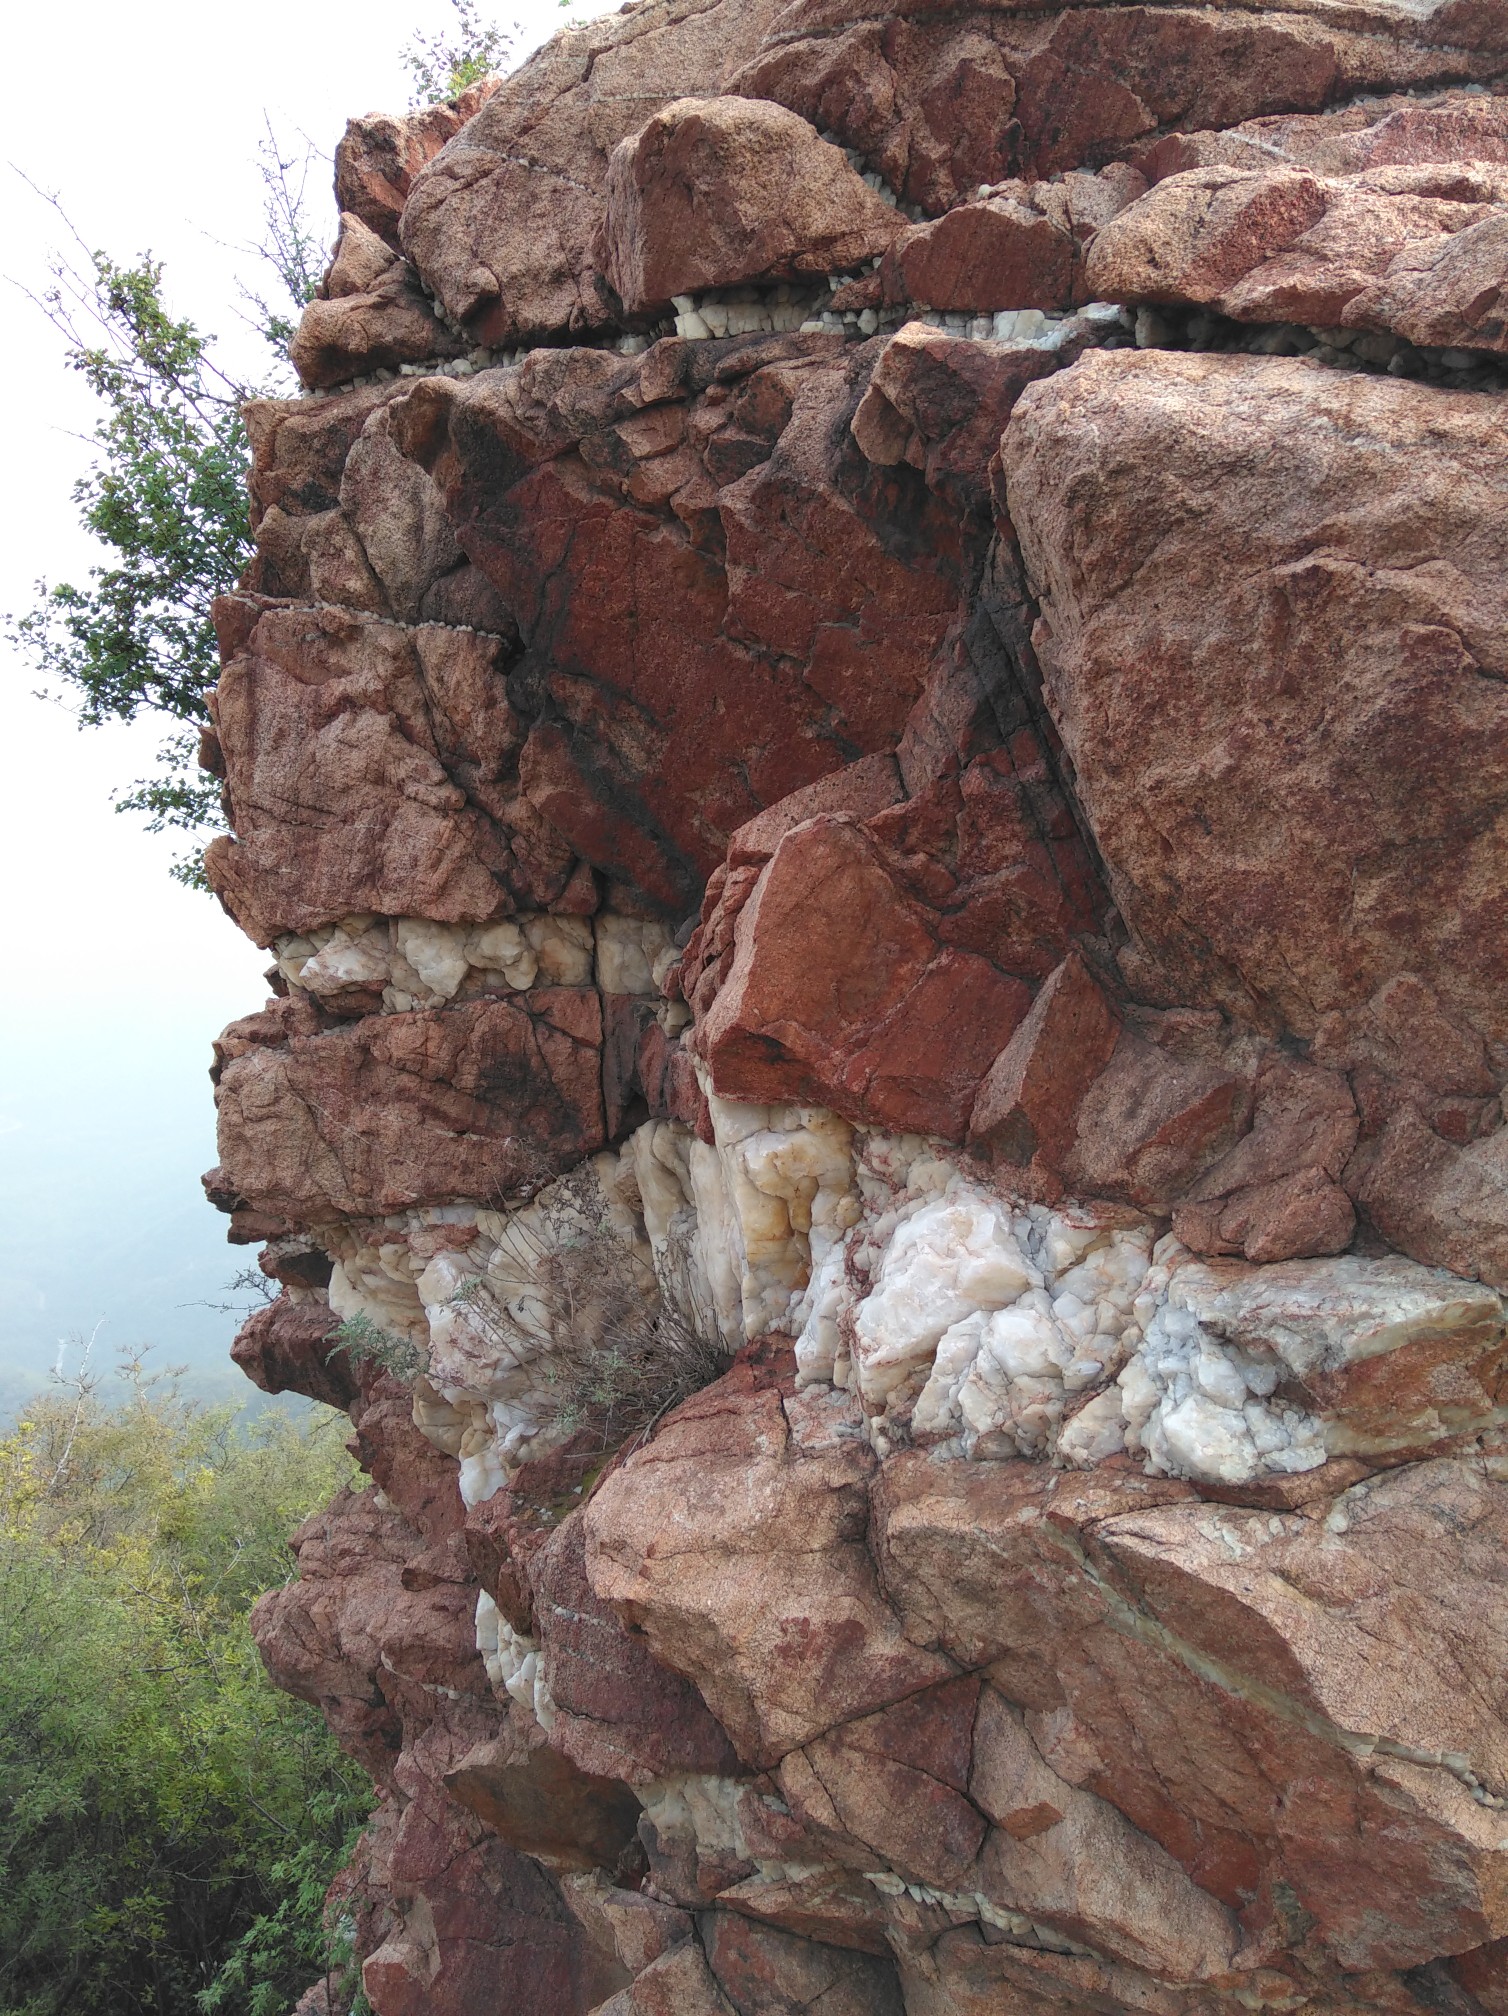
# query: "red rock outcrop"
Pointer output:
{"type": "Point", "coordinates": [885, 1100]}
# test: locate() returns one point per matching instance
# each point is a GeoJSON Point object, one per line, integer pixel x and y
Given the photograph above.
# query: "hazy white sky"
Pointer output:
{"type": "Point", "coordinates": [144, 120]}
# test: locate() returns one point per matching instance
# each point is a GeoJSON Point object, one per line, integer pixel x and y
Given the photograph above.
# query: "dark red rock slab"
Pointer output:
{"type": "Point", "coordinates": [840, 992]}
{"type": "Point", "coordinates": [289, 1347]}
{"type": "Point", "coordinates": [1028, 1103]}
{"type": "Point", "coordinates": [399, 1110]}
{"type": "Point", "coordinates": [721, 600]}
{"type": "Point", "coordinates": [1022, 246]}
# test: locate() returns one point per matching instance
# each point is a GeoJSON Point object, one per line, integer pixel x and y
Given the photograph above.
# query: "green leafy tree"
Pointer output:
{"type": "Point", "coordinates": [165, 497]}
{"type": "Point", "coordinates": [168, 1821]}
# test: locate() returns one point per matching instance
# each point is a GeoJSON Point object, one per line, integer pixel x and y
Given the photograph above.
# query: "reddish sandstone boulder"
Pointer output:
{"type": "Point", "coordinates": [379, 156]}
{"type": "Point", "coordinates": [940, 404]}
{"type": "Point", "coordinates": [1161, 1652]}
{"type": "Point", "coordinates": [618, 1712]}
{"type": "Point", "coordinates": [1449, 289]}
{"type": "Point", "coordinates": [1277, 1194]}
{"type": "Point", "coordinates": [341, 517]}
{"type": "Point", "coordinates": [1169, 1104]}
{"type": "Point", "coordinates": [1022, 246]}
{"type": "Point", "coordinates": [737, 1547]}
{"type": "Point", "coordinates": [353, 721]}
{"type": "Point", "coordinates": [840, 992]}
{"type": "Point", "coordinates": [370, 314]}
{"type": "Point", "coordinates": [1411, 251]}
{"type": "Point", "coordinates": [1444, 1204]}
{"type": "Point", "coordinates": [502, 224]}
{"type": "Point", "coordinates": [941, 103]}
{"type": "Point", "coordinates": [398, 1110]}
{"type": "Point", "coordinates": [1028, 1104]}
{"type": "Point", "coordinates": [1309, 707]}
{"type": "Point", "coordinates": [714, 191]}
{"type": "Point", "coordinates": [415, 1476]}
{"type": "Point", "coordinates": [763, 603]}
{"type": "Point", "coordinates": [289, 1347]}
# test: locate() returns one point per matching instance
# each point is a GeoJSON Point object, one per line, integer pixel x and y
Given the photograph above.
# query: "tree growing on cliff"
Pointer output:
{"type": "Point", "coordinates": [445, 64]}
{"type": "Point", "coordinates": [166, 495]}
{"type": "Point", "coordinates": [165, 498]}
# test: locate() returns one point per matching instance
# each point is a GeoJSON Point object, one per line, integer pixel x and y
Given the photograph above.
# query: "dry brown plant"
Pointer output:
{"type": "Point", "coordinates": [612, 1344]}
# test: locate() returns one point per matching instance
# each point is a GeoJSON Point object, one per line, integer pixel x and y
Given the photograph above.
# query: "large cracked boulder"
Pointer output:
{"type": "Point", "coordinates": [1311, 706]}
{"type": "Point", "coordinates": [1414, 252]}
{"type": "Point", "coordinates": [502, 222]}
{"type": "Point", "coordinates": [409, 1109]}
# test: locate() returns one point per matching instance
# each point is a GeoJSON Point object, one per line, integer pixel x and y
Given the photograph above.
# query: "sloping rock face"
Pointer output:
{"type": "Point", "coordinates": [868, 736]}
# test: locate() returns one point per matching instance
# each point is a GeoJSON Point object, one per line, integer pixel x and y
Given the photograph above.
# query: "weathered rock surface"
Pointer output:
{"type": "Point", "coordinates": [378, 156]}
{"type": "Point", "coordinates": [371, 314]}
{"type": "Point", "coordinates": [502, 223]}
{"type": "Point", "coordinates": [941, 104]}
{"type": "Point", "coordinates": [1404, 250]}
{"type": "Point", "coordinates": [1022, 246]}
{"type": "Point", "coordinates": [889, 948]}
{"type": "Point", "coordinates": [379, 1115]}
{"type": "Point", "coordinates": [716, 191]}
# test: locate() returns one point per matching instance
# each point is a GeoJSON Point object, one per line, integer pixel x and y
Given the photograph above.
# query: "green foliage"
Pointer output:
{"type": "Point", "coordinates": [444, 65]}
{"type": "Point", "coordinates": [168, 1822]}
{"type": "Point", "coordinates": [362, 1339]}
{"type": "Point", "coordinates": [166, 498]}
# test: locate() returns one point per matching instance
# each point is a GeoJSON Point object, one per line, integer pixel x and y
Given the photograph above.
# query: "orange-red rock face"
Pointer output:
{"type": "Point", "coordinates": [868, 735]}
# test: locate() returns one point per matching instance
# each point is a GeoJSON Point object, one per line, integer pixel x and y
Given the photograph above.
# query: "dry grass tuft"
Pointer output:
{"type": "Point", "coordinates": [616, 1350]}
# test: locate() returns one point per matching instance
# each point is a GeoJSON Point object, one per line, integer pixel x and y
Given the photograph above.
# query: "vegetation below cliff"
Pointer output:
{"type": "Point", "coordinates": [168, 1822]}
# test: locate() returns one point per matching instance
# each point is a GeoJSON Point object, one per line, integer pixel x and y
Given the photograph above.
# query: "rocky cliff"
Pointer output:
{"type": "Point", "coordinates": [870, 738]}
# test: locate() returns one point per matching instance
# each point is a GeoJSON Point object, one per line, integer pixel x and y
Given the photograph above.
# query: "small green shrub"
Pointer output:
{"type": "Point", "coordinates": [444, 65]}
{"type": "Point", "coordinates": [363, 1340]}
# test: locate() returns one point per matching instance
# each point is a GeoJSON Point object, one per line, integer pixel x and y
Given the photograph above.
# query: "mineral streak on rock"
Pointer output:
{"type": "Point", "coordinates": [867, 734]}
